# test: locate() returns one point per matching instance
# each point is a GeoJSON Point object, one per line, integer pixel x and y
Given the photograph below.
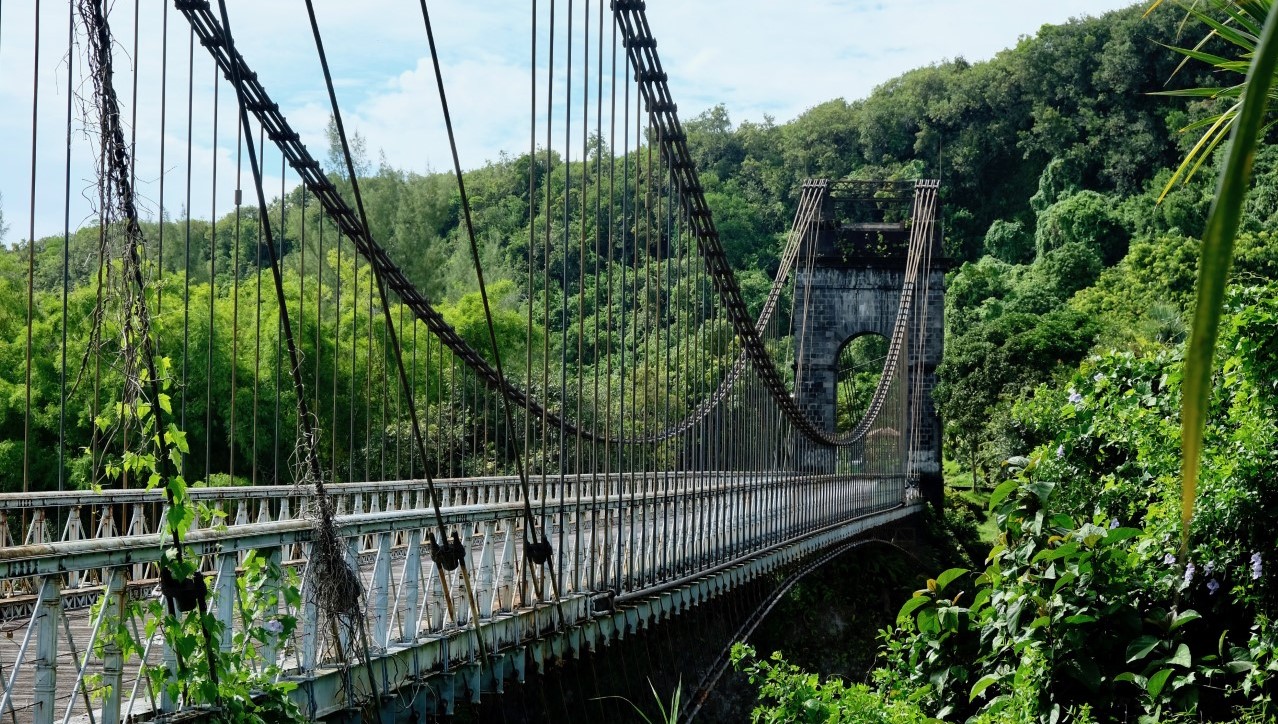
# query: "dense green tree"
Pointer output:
{"type": "Point", "coordinates": [993, 363]}
{"type": "Point", "coordinates": [1087, 218]}
{"type": "Point", "coordinates": [1067, 269]}
{"type": "Point", "coordinates": [716, 149]}
{"type": "Point", "coordinates": [1009, 242]}
{"type": "Point", "coordinates": [971, 287]}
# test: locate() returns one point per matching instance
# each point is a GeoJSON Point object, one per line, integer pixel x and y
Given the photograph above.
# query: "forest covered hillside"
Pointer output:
{"type": "Point", "coordinates": [1114, 589]}
{"type": "Point", "coordinates": [1051, 155]}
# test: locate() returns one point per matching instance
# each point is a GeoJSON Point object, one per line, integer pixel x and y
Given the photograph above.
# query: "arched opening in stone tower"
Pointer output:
{"type": "Point", "coordinates": [859, 367]}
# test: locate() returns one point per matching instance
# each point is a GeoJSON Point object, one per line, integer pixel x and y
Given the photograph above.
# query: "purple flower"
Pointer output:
{"type": "Point", "coordinates": [1169, 559]}
{"type": "Point", "coordinates": [1113, 524]}
{"type": "Point", "coordinates": [1060, 451]}
{"type": "Point", "coordinates": [1213, 586]}
{"type": "Point", "coordinates": [273, 626]}
{"type": "Point", "coordinates": [1256, 567]}
{"type": "Point", "coordinates": [1210, 568]}
{"type": "Point", "coordinates": [1075, 398]}
{"type": "Point", "coordinates": [1189, 573]}
{"type": "Point", "coordinates": [1100, 377]}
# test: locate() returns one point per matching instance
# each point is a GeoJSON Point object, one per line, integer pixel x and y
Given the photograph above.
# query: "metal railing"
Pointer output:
{"type": "Point", "coordinates": [614, 536]}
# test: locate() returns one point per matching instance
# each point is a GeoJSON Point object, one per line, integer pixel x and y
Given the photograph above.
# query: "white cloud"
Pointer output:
{"type": "Point", "coordinates": [755, 56]}
{"type": "Point", "coordinates": [762, 56]}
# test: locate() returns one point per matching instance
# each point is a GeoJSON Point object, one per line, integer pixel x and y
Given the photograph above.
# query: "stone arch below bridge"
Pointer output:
{"type": "Point", "coordinates": [858, 368]}
{"type": "Point", "coordinates": [837, 302]}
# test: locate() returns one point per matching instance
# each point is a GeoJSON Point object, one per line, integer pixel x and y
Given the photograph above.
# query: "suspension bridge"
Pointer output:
{"type": "Point", "coordinates": [262, 418]}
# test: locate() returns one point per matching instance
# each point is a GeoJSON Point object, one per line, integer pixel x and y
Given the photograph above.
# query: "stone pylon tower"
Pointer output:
{"type": "Point", "coordinates": [849, 283]}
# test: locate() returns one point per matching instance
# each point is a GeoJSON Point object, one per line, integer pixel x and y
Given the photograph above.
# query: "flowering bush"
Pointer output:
{"type": "Point", "coordinates": [1087, 606]}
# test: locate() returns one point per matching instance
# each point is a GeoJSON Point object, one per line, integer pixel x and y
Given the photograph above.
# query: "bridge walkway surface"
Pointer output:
{"type": "Point", "coordinates": [639, 553]}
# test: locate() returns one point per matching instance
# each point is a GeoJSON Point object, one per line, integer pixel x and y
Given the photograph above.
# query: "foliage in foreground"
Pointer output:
{"type": "Point", "coordinates": [1082, 611]}
{"type": "Point", "coordinates": [789, 694]}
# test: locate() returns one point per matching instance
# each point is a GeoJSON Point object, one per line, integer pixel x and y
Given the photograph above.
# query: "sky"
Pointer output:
{"type": "Point", "coordinates": [758, 58]}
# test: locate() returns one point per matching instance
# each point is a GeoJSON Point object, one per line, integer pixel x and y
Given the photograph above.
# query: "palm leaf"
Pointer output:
{"type": "Point", "coordinates": [1222, 63]}
{"type": "Point", "coordinates": [1213, 268]}
{"type": "Point", "coordinates": [1250, 15]}
{"type": "Point", "coordinates": [1246, 41]}
{"type": "Point", "coordinates": [1201, 150]}
{"type": "Point", "coordinates": [1209, 93]}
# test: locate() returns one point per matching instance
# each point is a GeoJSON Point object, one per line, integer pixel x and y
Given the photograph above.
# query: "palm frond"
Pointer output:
{"type": "Point", "coordinates": [1247, 126]}
{"type": "Point", "coordinates": [1210, 139]}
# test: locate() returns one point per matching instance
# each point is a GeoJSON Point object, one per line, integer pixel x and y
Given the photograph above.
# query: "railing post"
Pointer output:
{"type": "Point", "coordinates": [72, 531]}
{"type": "Point", "coordinates": [310, 619]}
{"type": "Point", "coordinates": [137, 527]}
{"type": "Point", "coordinates": [272, 608]}
{"type": "Point", "coordinates": [46, 673]}
{"type": "Point", "coordinates": [504, 593]}
{"type": "Point", "coordinates": [381, 591]}
{"type": "Point", "coordinates": [484, 580]}
{"type": "Point", "coordinates": [568, 576]}
{"type": "Point", "coordinates": [38, 532]}
{"type": "Point", "coordinates": [434, 600]}
{"type": "Point", "coordinates": [411, 585]}
{"type": "Point", "coordinates": [225, 597]}
{"type": "Point", "coordinates": [112, 657]}
{"type": "Point", "coordinates": [167, 655]}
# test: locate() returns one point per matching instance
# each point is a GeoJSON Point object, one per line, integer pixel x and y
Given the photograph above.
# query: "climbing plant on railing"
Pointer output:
{"type": "Point", "coordinates": [241, 686]}
{"type": "Point", "coordinates": [242, 682]}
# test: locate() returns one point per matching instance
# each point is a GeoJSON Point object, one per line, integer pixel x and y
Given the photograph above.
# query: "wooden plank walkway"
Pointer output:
{"type": "Point", "coordinates": [79, 625]}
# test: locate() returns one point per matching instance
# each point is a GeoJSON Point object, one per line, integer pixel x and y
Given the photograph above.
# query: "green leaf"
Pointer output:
{"type": "Point", "coordinates": [1156, 682]}
{"type": "Point", "coordinates": [982, 596]}
{"type": "Point", "coordinates": [1182, 657]}
{"type": "Point", "coordinates": [1128, 676]}
{"type": "Point", "coordinates": [1121, 534]}
{"type": "Point", "coordinates": [981, 685]}
{"type": "Point", "coordinates": [916, 602]}
{"type": "Point", "coordinates": [1052, 554]}
{"type": "Point", "coordinates": [1041, 490]}
{"type": "Point", "coordinates": [177, 438]}
{"type": "Point", "coordinates": [927, 620]}
{"type": "Point", "coordinates": [1002, 491]}
{"type": "Point", "coordinates": [1184, 618]}
{"type": "Point", "coordinates": [948, 576]}
{"type": "Point", "coordinates": [1140, 648]}
{"type": "Point", "coordinates": [1066, 579]}
{"type": "Point", "coordinates": [1213, 268]}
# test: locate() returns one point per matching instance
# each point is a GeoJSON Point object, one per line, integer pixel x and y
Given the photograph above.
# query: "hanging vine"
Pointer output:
{"type": "Point", "coordinates": [240, 686]}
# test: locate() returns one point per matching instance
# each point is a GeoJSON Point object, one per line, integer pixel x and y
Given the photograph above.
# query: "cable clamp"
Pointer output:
{"type": "Point", "coordinates": [449, 555]}
{"type": "Point", "coordinates": [186, 593]}
{"type": "Point", "coordinates": [538, 552]}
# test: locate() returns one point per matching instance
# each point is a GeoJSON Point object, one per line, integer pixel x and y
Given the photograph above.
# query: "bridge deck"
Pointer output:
{"type": "Point", "coordinates": [640, 538]}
